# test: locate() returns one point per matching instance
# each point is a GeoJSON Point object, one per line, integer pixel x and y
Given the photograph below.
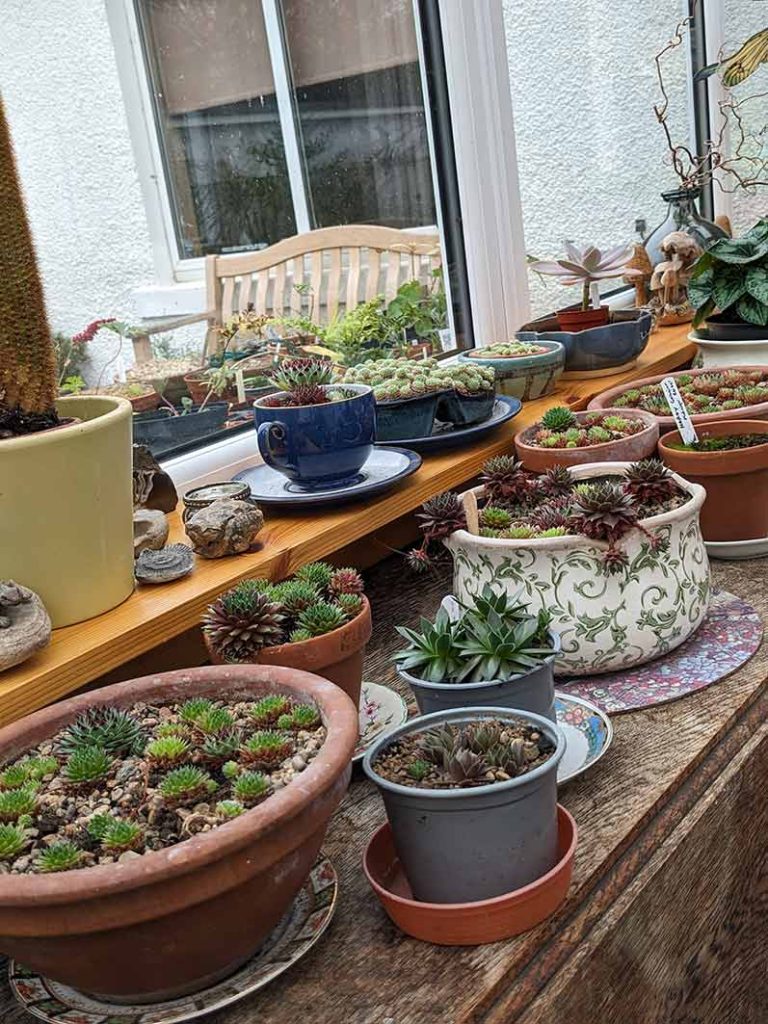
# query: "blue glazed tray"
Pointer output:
{"type": "Point", "coordinates": [384, 468]}
{"type": "Point", "coordinates": [445, 436]}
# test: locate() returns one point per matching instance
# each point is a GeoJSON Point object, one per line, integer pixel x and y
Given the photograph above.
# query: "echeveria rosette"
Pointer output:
{"type": "Point", "coordinates": [587, 267]}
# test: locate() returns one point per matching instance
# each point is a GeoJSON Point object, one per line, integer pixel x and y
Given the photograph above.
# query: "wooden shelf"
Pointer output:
{"type": "Point", "coordinates": [153, 615]}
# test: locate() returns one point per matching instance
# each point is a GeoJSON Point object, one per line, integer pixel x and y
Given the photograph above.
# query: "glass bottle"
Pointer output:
{"type": "Point", "coordinates": [682, 215]}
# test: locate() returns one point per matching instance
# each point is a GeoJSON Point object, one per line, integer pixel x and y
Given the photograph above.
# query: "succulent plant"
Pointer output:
{"type": "Point", "coordinates": [87, 766]}
{"type": "Point", "coordinates": [37, 768]}
{"type": "Point", "coordinates": [350, 604]}
{"type": "Point", "coordinates": [559, 417]}
{"type": "Point", "coordinates": [603, 511]}
{"type": "Point", "coordinates": [191, 710]}
{"type": "Point", "coordinates": [494, 518]}
{"type": "Point", "coordinates": [304, 716]}
{"type": "Point", "coordinates": [98, 825]}
{"type": "Point", "coordinates": [267, 710]}
{"type": "Point", "coordinates": [250, 788]}
{"type": "Point", "coordinates": [14, 803]}
{"type": "Point", "coordinates": [230, 770]}
{"type": "Point", "coordinates": [301, 373]}
{"type": "Point", "coordinates": [63, 856]}
{"type": "Point", "coordinates": [241, 622]}
{"type": "Point", "coordinates": [587, 267]}
{"type": "Point", "coordinates": [345, 581]}
{"type": "Point", "coordinates": [266, 748]}
{"type": "Point", "coordinates": [298, 636]}
{"type": "Point", "coordinates": [441, 516]}
{"type": "Point", "coordinates": [510, 349]}
{"type": "Point", "coordinates": [317, 574]}
{"type": "Point", "coordinates": [432, 654]}
{"type": "Point", "coordinates": [221, 747]}
{"type": "Point", "coordinates": [229, 809]}
{"type": "Point", "coordinates": [650, 480]}
{"type": "Point", "coordinates": [497, 647]}
{"type": "Point", "coordinates": [14, 776]}
{"type": "Point", "coordinates": [214, 722]}
{"type": "Point", "coordinates": [185, 785]}
{"type": "Point", "coordinates": [13, 839]}
{"type": "Point", "coordinates": [506, 481]}
{"type": "Point", "coordinates": [321, 618]}
{"type": "Point", "coordinates": [167, 750]}
{"type": "Point", "coordinates": [166, 729]}
{"type": "Point", "coordinates": [114, 730]}
{"type": "Point", "coordinates": [295, 595]}
{"type": "Point", "coordinates": [121, 835]}
{"type": "Point", "coordinates": [418, 769]}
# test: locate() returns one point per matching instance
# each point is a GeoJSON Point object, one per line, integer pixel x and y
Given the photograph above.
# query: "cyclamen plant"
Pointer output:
{"type": "Point", "coordinates": [257, 614]}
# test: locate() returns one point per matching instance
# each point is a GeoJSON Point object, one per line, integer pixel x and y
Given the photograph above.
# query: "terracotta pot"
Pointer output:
{"type": "Point", "coordinates": [199, 386]}
{"type": "Point", "coordinates": [749, 412]}
{"type": "Point", "coordinates": [337, 656]}
{"type": "Point", "coordinates": [469, 924]}
{"type": "Point", "coordinates": [176, 920]}
{"type": "Point", "coordinates": [736, 481]}
{"type": "Point", "coordinates": [143, 403]}
{"type": "Point", "coordinates": [626, 449]}
{"type": "Point", "coordinates": [582, 319]}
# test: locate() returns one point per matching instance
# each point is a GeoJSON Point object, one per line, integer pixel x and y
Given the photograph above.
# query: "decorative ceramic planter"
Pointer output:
{"type": "Point", "coordinates": [626, 449]}
{"type": "Point", "coordinates": [463, 845]}
{"type": "Point", "coordinates": [318, 445]}
{"type": "Point", "coordinates": [523, 377]}
{"type": "Point", "coordinates": [464, 410]}
{"type": "Point", "coordinates": [337, 656]}
{"type": "Point", "coordinates": [717, 353]}
{"type": "Point", "coordinates": [176, 920]}
{"type": "Point", "coordinates": [532, 691]}
{"type": "Point", "coordinates": [401, 419]}
{"type": "Point", "coordinates": [736, 480]}
{"type": "Point", "coordinates": [605, 622]}
{"type": "Point", "coordinates": [66, 510]}
{"type": "Point", "coordinates": [597, 350]}
{"type": "Point", "coordinates": [607, 399]}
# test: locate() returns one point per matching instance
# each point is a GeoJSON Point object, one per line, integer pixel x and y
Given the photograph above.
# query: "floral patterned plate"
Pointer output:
{"type": "Point", "coordinates": [588, 734]}
{"type": "Point", "coordinates": [301, 927]}
{"type": "Point", "coordinates": [381, 710]}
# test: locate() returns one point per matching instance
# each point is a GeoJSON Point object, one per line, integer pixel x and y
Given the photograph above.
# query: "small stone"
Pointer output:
{"type": "Point", "coordinates": [150, 530]}
{"type": "Point", "coordinates": [298, 763]}
{"type": "Point", "coordinates": [127, 855]}
{"type": "Point", "coordinates": [225, 527]}
{"type": "Point", "coordinates": [25, 626]}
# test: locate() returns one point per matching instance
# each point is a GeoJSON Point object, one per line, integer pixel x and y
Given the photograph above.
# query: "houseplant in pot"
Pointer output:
{"type": "Point", "coordinates": [730, 460]}
{"type": "Point", "coordinates": [612, 551]}
{"type": "Point", "coordinates": [490, 653]}
{"type": "Point", "coordinates": [79, 557]}
{"type": "Point", "coordinates": [734, 392]}
{"type": "Point", "coordinates": [566, 438]}
{"type": "Point", "coordinates": [318, 620]}
{"type": "Point", "coordinates": [524, 369]}
{"type": "Point", "coordinates": [103, 875]}
{"type": "Point", "coordinates": [316, 433]}
{"type": "Point", "coordinates": [471, 797]}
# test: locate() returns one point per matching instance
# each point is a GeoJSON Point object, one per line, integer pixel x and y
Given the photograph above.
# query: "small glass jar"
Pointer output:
{"type": "Point", "coordinates": [682, 215]}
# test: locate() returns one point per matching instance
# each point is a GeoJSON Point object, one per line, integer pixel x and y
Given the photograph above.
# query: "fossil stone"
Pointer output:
{"type": "Point", "coordinates": [152, 487]}
{"type": "Point", "coordinates": [150, 530]}
{"type": "Point", "coordinates": [24, 624]}
{"type": "Point", "coordinates": [227, 526]}
{"type": "Point", "coordinates": [164, 566]}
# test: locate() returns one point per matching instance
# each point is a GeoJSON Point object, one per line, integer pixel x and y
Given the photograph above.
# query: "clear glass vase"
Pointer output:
{"type": "Point", "coordinates": [682, 215]}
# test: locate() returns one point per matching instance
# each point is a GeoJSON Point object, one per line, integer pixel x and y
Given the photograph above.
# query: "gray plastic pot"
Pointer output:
{"type": "Point", "coordinates": [532, 691]}
{"type": "Point", "coordinates": [465, 845]}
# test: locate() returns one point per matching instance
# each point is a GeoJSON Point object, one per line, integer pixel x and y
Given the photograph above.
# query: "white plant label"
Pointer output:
{"type": "Point", "coordinates": [240, 385]}
{"type": "Point", "coordinates": [679, 411]}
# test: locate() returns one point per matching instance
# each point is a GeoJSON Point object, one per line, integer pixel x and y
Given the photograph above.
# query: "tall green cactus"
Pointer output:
{"type": "Point", "coordinates": [27, 359]}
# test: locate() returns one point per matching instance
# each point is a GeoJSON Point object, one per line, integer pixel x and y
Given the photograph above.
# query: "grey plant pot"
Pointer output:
{"type": "Point", "coordinates": [533, 691]}
{"type": "Point", "coordinates": [599, 348]}
{"type": "Point", "coordinates": [464, 845]}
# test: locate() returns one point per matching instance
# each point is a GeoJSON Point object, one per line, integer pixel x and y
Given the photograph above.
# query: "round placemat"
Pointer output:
{"type": "Point", "coordinates": [726, 639]}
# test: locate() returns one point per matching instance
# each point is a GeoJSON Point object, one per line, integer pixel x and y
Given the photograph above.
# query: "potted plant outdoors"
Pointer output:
{"type": "Point", "coordinates": [360, 334]}
{"type": "Point", "coordinates": [710, 395]}
{"type": "Point", "coordinates": [171, 426]}
{"type": "Point", "coordinates": [319, 621]}
{"type": "Point", "coordinates": [417, 314]}
{"type": "Point", "coordinates": [471, 797]}
{"type": "Point", "coordinates": [226, 780]}
{"type": "Point", "coordinates": [493, 653]}
{"type": "Point", "coordinates": [612, 550]}
{"type": "Point", "coordinates": [730, 460]}
{"type": "Point", "coordinates": [729, 291]}
{"type": "Point", "coordinates": [524, 369]}
{"type": "Point", "coordinates": [79, 560]}
{"type": "Point", "coordinates": [316, 433]}
{"type": "Point", "coordinates": [565, 438]}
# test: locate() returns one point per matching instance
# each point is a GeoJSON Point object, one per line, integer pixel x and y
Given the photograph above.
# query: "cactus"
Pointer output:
{"type": "Point", "coordinates": [28, 378]}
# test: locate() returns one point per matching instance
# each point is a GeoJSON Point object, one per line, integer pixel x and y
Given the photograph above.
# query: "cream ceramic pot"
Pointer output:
{"type": "Point", "coordinates": [605, 622]}
{"type": "Point", "coordinates": [66, 510]}
{"type": "Point", "coordinates": [714, 354]}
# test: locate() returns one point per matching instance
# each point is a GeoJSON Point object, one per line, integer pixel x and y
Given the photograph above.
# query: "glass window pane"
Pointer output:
{"type": "Point", "coordinates": [592, 158]}
{"type": "Point", "coordinates": [361, 112]}
{"type": "Point", "coordinates": [218, 123]}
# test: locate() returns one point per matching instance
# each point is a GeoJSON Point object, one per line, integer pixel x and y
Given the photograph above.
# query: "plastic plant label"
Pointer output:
{"type": "Point", "coordinates": [240, 385]}
{"type": "Point", "coordinates": [679, 411]}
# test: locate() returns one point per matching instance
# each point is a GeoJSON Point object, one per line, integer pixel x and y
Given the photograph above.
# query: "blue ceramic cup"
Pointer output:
{"type": "Point", "coordinates": [318, 446]}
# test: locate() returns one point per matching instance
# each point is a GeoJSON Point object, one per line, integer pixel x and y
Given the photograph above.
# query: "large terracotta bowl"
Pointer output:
{"type": "Point", "coordinates": [607, 399]}
{"type": "Point", "coordinates": [176, 920]}
{"type": "Point", "coordinates": [624, 449]}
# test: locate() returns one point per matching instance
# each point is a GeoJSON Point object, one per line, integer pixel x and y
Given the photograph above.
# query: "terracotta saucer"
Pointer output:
{"type": "Point", "coordinates": [468, 924]}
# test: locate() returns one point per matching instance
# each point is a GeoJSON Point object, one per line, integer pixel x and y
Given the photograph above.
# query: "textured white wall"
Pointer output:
{"type": "Point", "coordinates": [60, 87]}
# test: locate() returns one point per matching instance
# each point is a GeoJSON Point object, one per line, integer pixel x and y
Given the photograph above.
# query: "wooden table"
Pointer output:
{"type": "Point", "coordinates": [665, 919]}
{"type": "Point", "coordinates": [153, 615]}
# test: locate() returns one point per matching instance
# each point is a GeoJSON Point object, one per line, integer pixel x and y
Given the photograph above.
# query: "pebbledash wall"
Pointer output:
{"type": "Point", "coordinates": [582, 84]}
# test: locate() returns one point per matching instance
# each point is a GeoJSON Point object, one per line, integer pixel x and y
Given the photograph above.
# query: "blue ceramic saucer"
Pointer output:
{"type": "Point", "coordinates": [445, 436]}
{"type": "Point", "coordinates": [382, 470]}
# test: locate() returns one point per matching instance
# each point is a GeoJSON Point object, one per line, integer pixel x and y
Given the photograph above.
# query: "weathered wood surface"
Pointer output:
{"type": "Point", "coordinates": [664, 923]}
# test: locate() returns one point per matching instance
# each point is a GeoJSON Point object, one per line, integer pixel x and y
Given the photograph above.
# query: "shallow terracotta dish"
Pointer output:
{"type": "Point", "coordinates": [632, 448]}
{"type": "Point", "coordinates": [469, 924]}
